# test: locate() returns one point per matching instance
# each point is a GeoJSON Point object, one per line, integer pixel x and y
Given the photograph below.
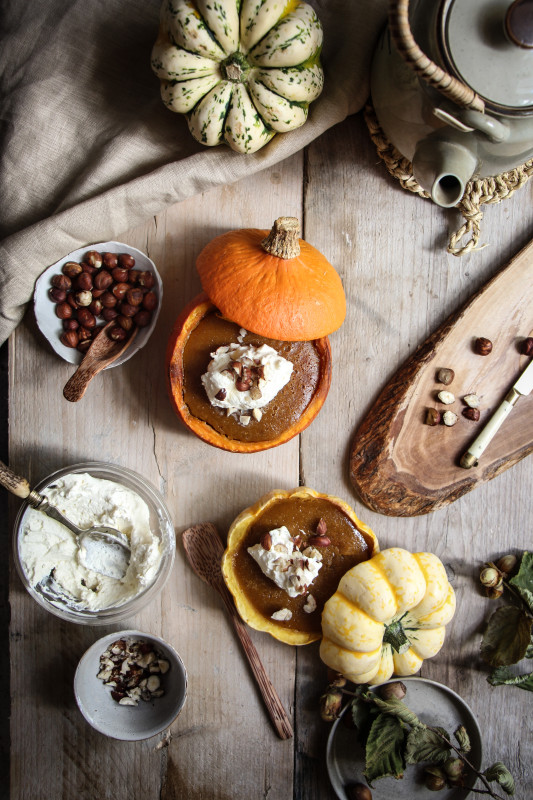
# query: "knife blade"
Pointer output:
{"type": "Point", "coordinates": [522, 387]}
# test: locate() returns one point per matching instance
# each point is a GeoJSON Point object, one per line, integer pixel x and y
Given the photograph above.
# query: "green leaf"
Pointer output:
{"type": "Point", "coordinates": [502, 676]}
{"type": "Point", "coordinates": [499, 772]}
{"type": "Point", "coordinates": [423, 744]}
{"type": "Point", "coordinates": [384, 748]}
{"type": "Point", "coordinates": [523, 582]}
{"type": "Point", "coordinates": [507, 637]}
{"type": "Point", "coordinates": [396, 708]}
{"type": "Point", "coordinates": [463, 739]}
{"type": "Point", "coordinates": [529, 651]}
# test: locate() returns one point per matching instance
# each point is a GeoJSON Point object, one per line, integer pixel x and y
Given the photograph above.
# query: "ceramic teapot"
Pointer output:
{"type": "Point", "coordinates": [452, 88]}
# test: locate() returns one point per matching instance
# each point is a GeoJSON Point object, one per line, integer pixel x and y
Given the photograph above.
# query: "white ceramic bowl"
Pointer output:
{"type": "Point", "coordinates": [52, 327]}
{"type": "Point", "coordinates": [129, 723]}
{"type": "Point", "coordinates": [160, 523]}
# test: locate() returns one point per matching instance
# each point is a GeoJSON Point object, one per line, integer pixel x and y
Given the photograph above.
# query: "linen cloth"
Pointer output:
{"type": "Point", "coordinates": [88, 150]}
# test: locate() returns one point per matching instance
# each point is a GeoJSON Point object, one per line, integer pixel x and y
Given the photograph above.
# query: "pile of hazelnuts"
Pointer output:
{"type": "Point", "coordinates": [102, 286]}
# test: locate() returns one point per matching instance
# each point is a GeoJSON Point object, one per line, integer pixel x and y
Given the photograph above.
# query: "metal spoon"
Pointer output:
{"type": "Point", "coordinates": [106, 550]}
{"type": "Point", "coordinates": [102, 352]}
{"type": "Point", "coordinates": [204, 549]}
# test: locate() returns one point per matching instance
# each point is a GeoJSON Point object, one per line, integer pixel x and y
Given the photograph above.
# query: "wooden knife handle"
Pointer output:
{"type": "Point", "coordinates": [277, 713]}
{"type": "Point", "coordinates": [12, 482]}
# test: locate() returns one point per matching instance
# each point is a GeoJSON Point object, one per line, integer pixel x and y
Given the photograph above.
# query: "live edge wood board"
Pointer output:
{"type": "Point", "coordinates": [400, 466]}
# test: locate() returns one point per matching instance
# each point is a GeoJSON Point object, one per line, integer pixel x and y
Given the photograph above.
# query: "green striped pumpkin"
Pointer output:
{"type": "Point", "coordinates": [240, 71]}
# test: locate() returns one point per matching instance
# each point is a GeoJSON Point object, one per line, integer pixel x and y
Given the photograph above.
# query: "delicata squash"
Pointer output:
{"type": "Point", "coordinates": [387, 616]}
{"type": "Point", "coordinates": [242, 72]}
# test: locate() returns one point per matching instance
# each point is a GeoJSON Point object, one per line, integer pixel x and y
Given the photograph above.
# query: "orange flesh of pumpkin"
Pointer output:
{"type": "Point", "coordinates": [293, 299]}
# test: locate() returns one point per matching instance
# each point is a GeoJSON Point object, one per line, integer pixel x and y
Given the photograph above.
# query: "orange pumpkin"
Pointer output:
{"type": "Point", "coordinates": [187, 321]}
{"type": "Point", "coordinates": [273, 284]}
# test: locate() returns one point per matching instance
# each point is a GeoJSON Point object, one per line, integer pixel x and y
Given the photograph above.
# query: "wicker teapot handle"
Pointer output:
{"type": "Point", "coordinates": [434, 75]}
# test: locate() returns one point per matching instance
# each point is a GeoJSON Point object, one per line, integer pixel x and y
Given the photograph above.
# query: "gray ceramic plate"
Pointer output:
{"type": "Point", "coordinates": [434, 704]}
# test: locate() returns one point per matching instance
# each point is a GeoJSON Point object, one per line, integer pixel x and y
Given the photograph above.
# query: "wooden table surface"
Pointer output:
{"type": "Point", "coordinates": [389, 247]}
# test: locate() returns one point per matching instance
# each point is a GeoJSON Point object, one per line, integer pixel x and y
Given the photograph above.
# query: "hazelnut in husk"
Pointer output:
{"type": "Point", "coordinates": [330, 705]}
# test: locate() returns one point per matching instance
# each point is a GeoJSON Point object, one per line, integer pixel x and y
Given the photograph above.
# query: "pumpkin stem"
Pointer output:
{"type": "Point", "coordinates": [235, 68]}
{"type": "Point", "coordinates": [396, 637]}
{"type": "Point", "coordinates": [283, 240]}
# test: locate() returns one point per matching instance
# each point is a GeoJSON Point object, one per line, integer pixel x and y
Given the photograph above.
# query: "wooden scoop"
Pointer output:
{"type": "Point", "coordinates": [102, 352]}
{"type": "Point", "coordinates": [204, 550]}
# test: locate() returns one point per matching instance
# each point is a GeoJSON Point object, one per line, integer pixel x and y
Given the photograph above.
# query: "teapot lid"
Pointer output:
{"type": "Point", "coordinates": [488, 44]}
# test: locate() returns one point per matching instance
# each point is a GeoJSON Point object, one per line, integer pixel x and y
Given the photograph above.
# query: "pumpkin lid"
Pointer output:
{"type": "Point", "coordinates": [273, 284]}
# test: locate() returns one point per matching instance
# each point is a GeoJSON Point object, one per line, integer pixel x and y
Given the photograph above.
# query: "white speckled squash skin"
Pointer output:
{"type": "Point", "coordinates": [241, 72]}
{"type": "Point", "coordinates": [387, 616]}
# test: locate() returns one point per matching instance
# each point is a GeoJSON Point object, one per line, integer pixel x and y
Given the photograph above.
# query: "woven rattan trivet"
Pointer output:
{"type": "Point", "coordinates": [477, 192]}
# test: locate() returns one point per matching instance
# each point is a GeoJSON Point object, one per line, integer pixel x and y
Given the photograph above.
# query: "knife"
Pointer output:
{"type": "Point", "coordinates": [521, 388]}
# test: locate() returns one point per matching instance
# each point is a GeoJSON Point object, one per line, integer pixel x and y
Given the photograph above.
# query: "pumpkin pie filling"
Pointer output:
{"type": "Point", "coordinates": [301, 516]}
{"type": "Point", "coordinates": [281, 413]}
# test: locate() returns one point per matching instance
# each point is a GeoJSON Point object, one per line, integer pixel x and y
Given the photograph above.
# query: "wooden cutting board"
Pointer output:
{"type": "Point", "coordinates": [400, 466]}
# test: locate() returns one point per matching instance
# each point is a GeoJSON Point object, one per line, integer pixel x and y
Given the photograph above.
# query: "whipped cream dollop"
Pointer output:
{"type": "Point", "coordinates": [47, 547]}
{"type": "Point", "coordinates": [290, 569]}
{"type": "Point", "coordinates": [243, 377]}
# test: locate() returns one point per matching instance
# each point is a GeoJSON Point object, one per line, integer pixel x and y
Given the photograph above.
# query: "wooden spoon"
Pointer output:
{"type": "Point", "coordinates": [204, 550]}
{"type": "Point", "coordinates": [102, 352]}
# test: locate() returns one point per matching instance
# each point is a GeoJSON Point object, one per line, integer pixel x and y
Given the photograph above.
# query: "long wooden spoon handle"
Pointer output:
{"type": "Point", "coordinates": [277, 713]}
{"type": "Point", "coordinates": [12, 482]}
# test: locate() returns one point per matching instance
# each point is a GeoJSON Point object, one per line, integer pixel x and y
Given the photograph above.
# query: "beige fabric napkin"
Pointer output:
{"type": "Point", "coordinates": [88, 150]}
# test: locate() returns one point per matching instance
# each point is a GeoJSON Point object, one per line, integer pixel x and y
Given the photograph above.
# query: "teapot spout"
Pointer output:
{"type": "Point", "coordinates": [443, 169]}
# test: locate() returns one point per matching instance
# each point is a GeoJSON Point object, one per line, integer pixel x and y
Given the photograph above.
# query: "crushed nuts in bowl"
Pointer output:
{"type": "Point", "coordinates": [130, 685]}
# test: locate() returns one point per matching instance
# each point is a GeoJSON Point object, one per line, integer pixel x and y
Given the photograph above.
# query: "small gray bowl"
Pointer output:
{"type": "Point", "coordinates": [129, 723]}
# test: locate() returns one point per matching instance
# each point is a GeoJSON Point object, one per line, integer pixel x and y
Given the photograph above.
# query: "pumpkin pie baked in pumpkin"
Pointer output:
{"type": "Point", "coordinates": [285, 557]}
{"type": "Point", "coordinates": [249, 361]}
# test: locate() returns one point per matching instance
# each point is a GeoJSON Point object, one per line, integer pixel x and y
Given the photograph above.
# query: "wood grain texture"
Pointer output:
{"type": "Point", "coordinates": [399, 465]}
{"type": "Point", "coordinates": [389, 247]}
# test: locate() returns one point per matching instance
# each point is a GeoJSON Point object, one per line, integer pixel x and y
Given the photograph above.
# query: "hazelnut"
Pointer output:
{"type": "Point", "coordinates": [110, 260]}
{"type": "Point", "coordinates": [70, 324]}
{"type": "Point", "coordinates": [471, 400]}
{"type": "Point", "coordinates": [57, 295]}
{"type": "Point", "coordinates": [506, 564]}
{"type": "Point", "coordinates": [108, 300]}
{"type": "Point", "coordinates": [72, 269]}
{"type": "Point", "coordinates": [117, 333]}
{"type": "Point", "coordinates": [490, 577]}
{"type": "Point", "coordinates": [142, 318]}
{"type": "Point", "coordinates": [119, 290]}
{"type": "Point", "coordinates": [146, 280]}
{"type": "Point", "coordinates": [109, 313]}
{"type": "Point", "coordinates": [471, 413]}
{"type": "Point", "coordinates": [84, 298]}
{"type": "Point", "coordinates": [127, 310]}
{"type": "Point", "coordinates": [88, 268]}
{"type": "Point", "coordinates": [446, 397]}
{"type": "Point", "coordinates": [93, 258]}
{"type": "Point", "coordinates": [125, 322]}
{"type": "Point", "coordinates": [120, 274]}
{"type": "Point", "coordinates": [71, 300]}
{"type": "Point", "coordinates": [61, 282]}
{"type": "Point", "coordinates": [125, 260]}
{"type": "Point", "coordinates": [392, 691]}
{"type": "Point", "coordinates": [69, 338]}
{"type": "Point", "coordinates": [95, 307]}
{"type": "Point", "coordinates": [149, 301]}
{"type": "Point", "coordinates": [319, 541]}
{"type": "Point", "coordinates": [433, 417]}
{"type": "Point", "coordinates": [84, 333]}
{"type": "Point", "coordinates": [483, 346]}
{"type": "Point", "coordinates": [84, 345]}
{"type": "Point", "coordinates": [133, 276]}
{"type": "Point", "coordinates": [86, 318]}
{"type": "Point", "coordinates": [63, 310]}
{"type": "Point", "coordinates": [102, 279]}
{"type": "Point", "coordinates": [526, 346]}
{"type": "Point", "coordinates": [358, 791]}
{"type": "Point", "coordinates": [445, 376]}
{"type": "Point", "coordinates": [97, 293]}
{"type": "Point", "coordinates": [266, 541]}
{"type": "Point", "coordinates": [449, 418]}
{"type": "Point", "coordinates": [134, 296]}
{"type": "Point", "coordinates": [84, 281]}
